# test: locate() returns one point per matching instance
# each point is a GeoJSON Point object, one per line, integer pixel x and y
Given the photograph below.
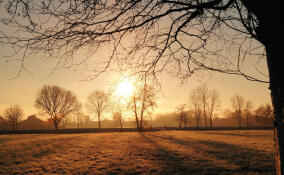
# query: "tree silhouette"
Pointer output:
{"type": "Point", "coordinates": [97, 102]}
{"type": "Point", "coordinates": [248, 114]}
{"type": "Point", "coordinates": [185, 36]}
{"type": "Point", "coordinates": [57, 103]}
{"type": "Point", "coordinates": [194, 99]}
{"type": "Point", "coordinates": [182, 118]}
{"type": "Point", "coordinates": [142, 101]}
{"type": "Point", "coordinates": [117, 118]}
{"type": "Point", "coordinates": [204, 102]}
{"type": "Point", "coordinates": [264, 114]}
{"type": "Point", "coordinates": [13, 114]}
{"type": "Point", "coordinates": [204, 96]}
{"type": "Point", "coordinates": [213, 104]}
{"type": "Point", "coordinates": [238, 103]}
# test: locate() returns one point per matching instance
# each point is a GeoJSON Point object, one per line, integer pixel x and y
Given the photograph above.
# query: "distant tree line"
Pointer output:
{"type": "Point", "coordinates": [202, 110]}
{"type": "Point", "coordinates": [64, 109]}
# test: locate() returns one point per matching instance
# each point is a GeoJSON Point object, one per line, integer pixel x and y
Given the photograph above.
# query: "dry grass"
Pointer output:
{"type": "Point", "coordinates": [164, 152]}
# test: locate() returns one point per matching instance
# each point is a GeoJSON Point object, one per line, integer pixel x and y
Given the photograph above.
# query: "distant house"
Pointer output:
{"type": "Point", "coordinates": [34, 123]}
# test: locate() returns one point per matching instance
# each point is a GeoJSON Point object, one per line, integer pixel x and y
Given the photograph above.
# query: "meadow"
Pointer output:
{"type": "Point", "coordinates": [160, 152]}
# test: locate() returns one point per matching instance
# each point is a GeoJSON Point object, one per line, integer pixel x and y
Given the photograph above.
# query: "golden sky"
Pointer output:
{"type": "Point", "coordinates": [22, 90]}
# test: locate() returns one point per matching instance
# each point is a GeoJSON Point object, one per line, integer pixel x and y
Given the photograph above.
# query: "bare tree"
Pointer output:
{"type": "Point", "coordinates": [117, 118]}
{"type": "Point", "coordinates": [194, 99]}
{"type": "Point", "coordinates": [98, 102]}
{"type": "Point", "coordinates": [85, 120]}
{"type": "Point", "coordinates": [13, 114]}
{"type": "Point", "coordinates": [181, 114]}
{"type": "Point", "coordinates": [213, 104]}
{"type": "Point", "coordinates": [82, 120]}
{"type": "Point", "coordinates": [238, 105]}
{"type": "Point", "coordinates": [205, 103]}
{"type": "Point", "coordinates": [79, 118]}
{"type": "Point", "coordinates": [247, 110]}
{"type": "Point", "coordinates": [188, 35]}
{"type": "Point", "coordinates": [142, 102]}
{"type": "Point", "coordinates": [57, 102]}
{"type": "Point", "coordinates": [204, 96]}
{"type": "Point", "coordinates": [264, 115]}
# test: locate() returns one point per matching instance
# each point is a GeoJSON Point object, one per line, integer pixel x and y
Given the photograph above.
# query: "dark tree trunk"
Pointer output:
{"type": "Point", "coordinates": [136, 115]}
{"type": "Point", "coordinates": [13, 124]}
{"type": "Point", "coordinates": [78, 119]}
{"type": "Point", "coordinates": [240, 119]}
{"type": "Point", "coordinates": [99, 120]}
{"type": "Point", "coordinates": [197, 120]}
{"type": "Point", "coordinates": [180, 122]}
{"type": "Point", "coordinates": [210, 121]}
{"type": "Point", "coordinates": [205, 118]}
{"type": "Point", "coordinates": [141, 121]}
{"type": "Point", "coordinates": [247, 120]}
{"type": "Point", "coordinates": [276, 72]}
{"type": "Point", "coordinates": [270, 33]}
{"type": "Point", "coordinates": [120, 122]}
{"type": "Point", "coordinates": [55, 125]}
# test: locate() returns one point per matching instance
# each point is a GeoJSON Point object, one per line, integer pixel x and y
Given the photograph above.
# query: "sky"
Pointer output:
{"type": "Point", "coordinates": [22, 89]}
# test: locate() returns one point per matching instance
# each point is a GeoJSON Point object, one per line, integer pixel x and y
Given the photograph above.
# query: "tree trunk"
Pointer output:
{"type": "Point", "coordinates": [78, 121]}
{"type": "Point", "coordinates": [99, 120]}
{"type": "Point", "coordinates": [210, 121]}
{"type": "Point", "coordinates": [240, 120]}
{"type": "Point", "coordinates": [180, 121]}
{"type": "Point", "coordinates": [120, 122]}
{"type": "Point", "coordinates": [197, 119]}
{"type": "Point", "coordinates": [13, 124]}
{"type": "Point", "coordinates": [141, 121]}
{"type": "Point", "coordinates": [205, 117]}
{"type": "Point", "coordinates": [142, 112]}
{"type": "Point", "coordinates": [55, 125]}
{"type": "Point", "coordinates": [135, 111]}
{"type": "Point", "coordinates": [247, 120]}
{"type": "Point", "coordinates": [276, 71]}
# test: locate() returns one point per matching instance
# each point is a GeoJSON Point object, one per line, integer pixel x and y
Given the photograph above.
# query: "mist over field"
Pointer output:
{"type": "Point", "coordinates": [161, 152]}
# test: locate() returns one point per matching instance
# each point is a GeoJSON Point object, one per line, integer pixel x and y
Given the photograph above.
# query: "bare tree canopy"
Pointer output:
{"type": "Point", "coordinates": [182, 115]}
{"type": "Point", "coordinates": [57, 103]}
{"type": "Point", "coordinates": [238, 104]}
{"type": "Point", "coordinates": [195, 101]}
{"type": "Point", "coordinates": [248, 114]}
{"type": "Point", "coordinates": [117, 118]}
{"type": "Point", "coordinates": [178, 36]}
{"type": "Point", "coordinates": [264, 114]}
{"type": "Point", "coordinates": [204, 102]}
{"type": "Point", "coordinates": [142, 101]}
{"type": "Point", "coordinates": [213, 104]}
{"type": "Point", "coordinates": [13, 114]}
{"type": "Point", "coordinates": [97, 102]}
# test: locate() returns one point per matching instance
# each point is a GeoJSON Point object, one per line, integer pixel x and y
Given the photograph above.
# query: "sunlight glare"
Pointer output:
{"type": "Point", "coordinates": [125, 89]}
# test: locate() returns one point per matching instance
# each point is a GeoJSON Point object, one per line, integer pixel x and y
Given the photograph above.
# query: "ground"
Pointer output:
{"type": "Point", "coordinates": [163, 152]}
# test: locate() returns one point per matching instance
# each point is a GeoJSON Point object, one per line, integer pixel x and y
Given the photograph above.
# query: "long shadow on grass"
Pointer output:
{"type": "Point", "coordinates": [176, 165]}
{"type": "Point", "coordinates": [247, 159]}
{"type": "Point", "coordinates": [242, 134]}
{"type": "Point", "coordinates": [167, 157]}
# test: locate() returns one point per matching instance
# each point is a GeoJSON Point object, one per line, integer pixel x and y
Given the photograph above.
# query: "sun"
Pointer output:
{"type": "Point", "coordinates": [124, 89]}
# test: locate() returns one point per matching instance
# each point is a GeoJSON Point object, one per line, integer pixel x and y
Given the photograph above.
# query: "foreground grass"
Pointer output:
{"type": "Point", "coordinates": [164, 152]}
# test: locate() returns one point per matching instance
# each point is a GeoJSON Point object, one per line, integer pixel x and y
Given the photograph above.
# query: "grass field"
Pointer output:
{"type": "Point", "coordinates": [163, 152]}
